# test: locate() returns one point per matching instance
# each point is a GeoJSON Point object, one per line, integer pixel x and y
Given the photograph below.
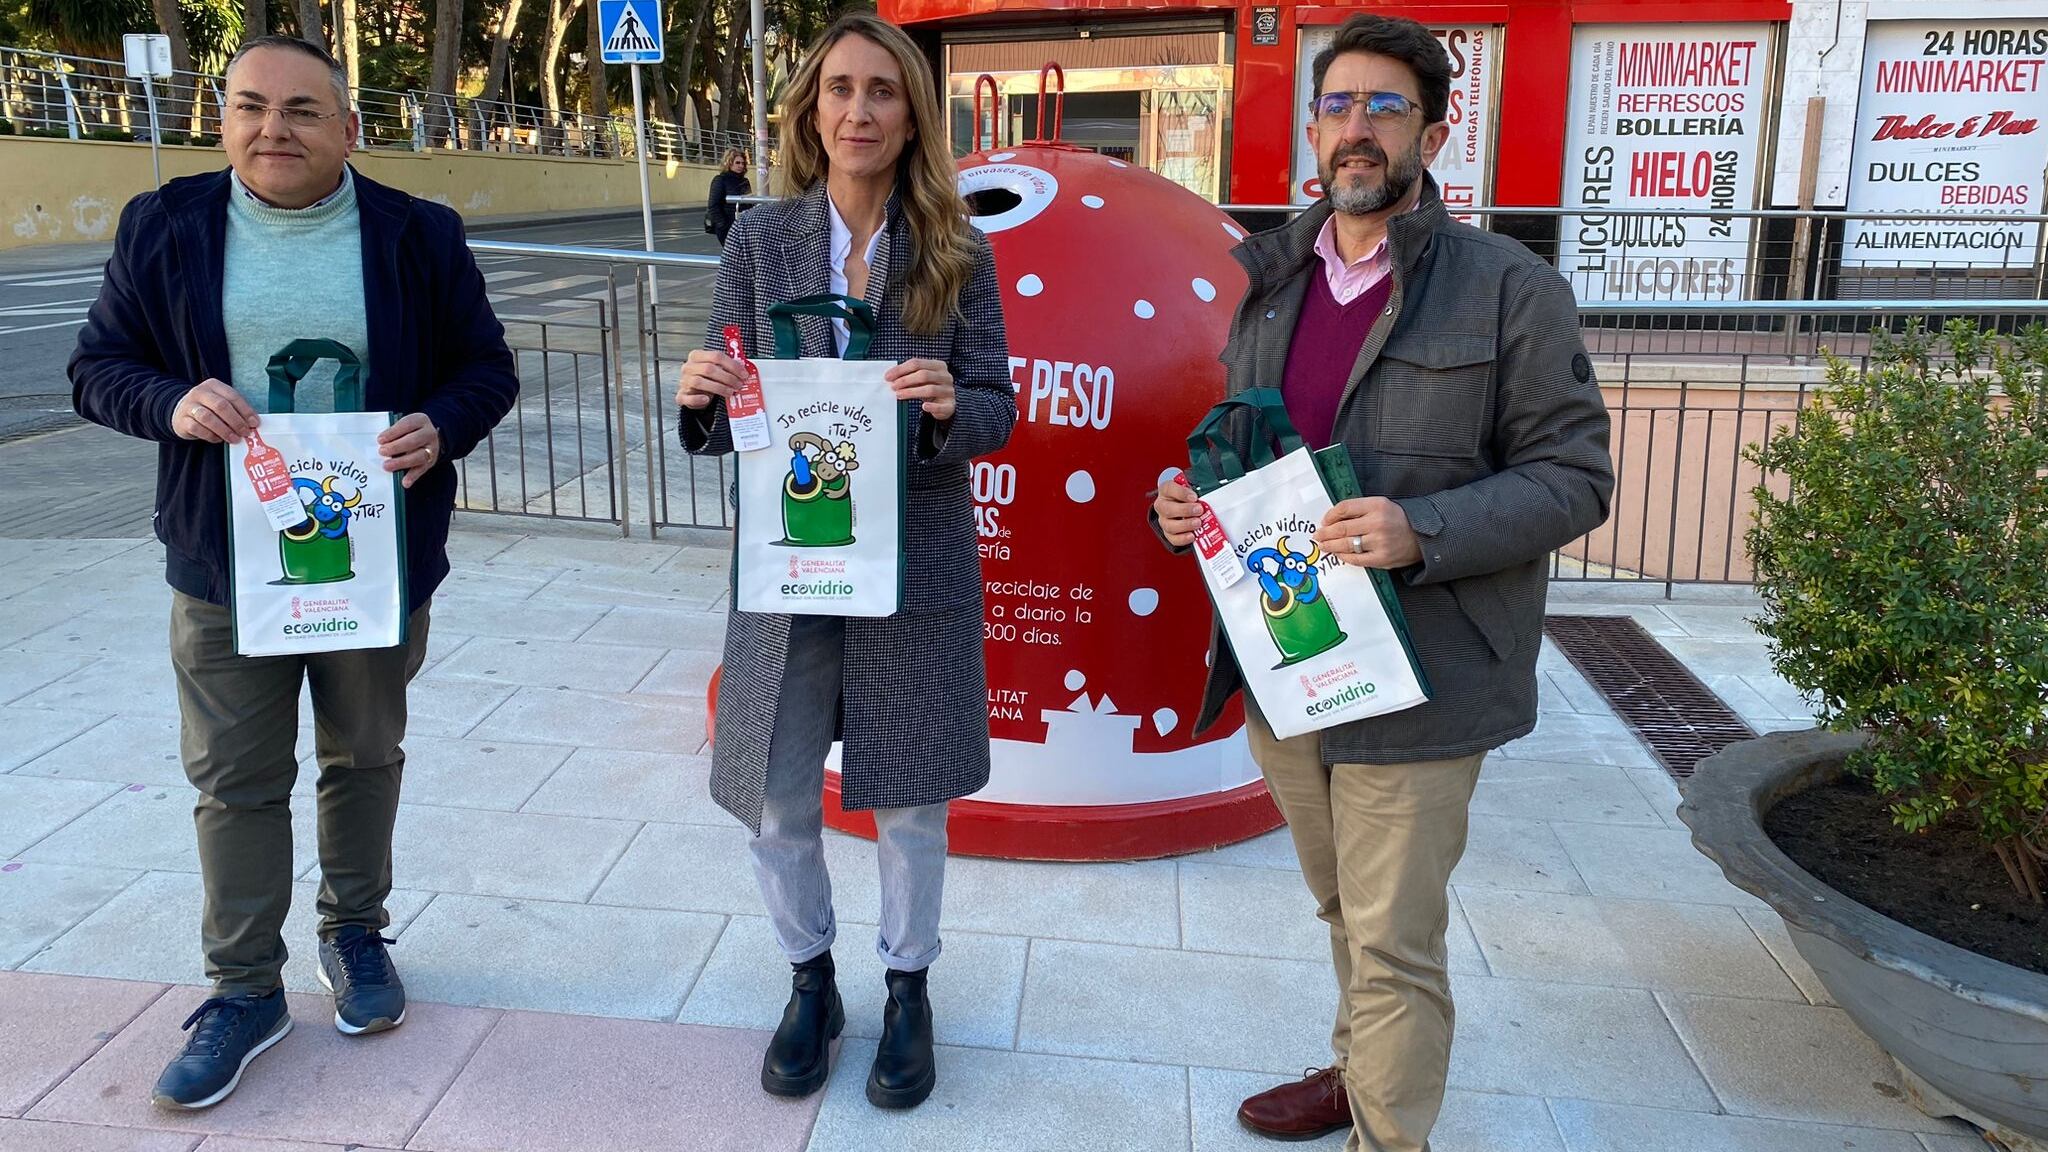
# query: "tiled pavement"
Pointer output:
{"type": "Point", "coordinates": [583, 941]}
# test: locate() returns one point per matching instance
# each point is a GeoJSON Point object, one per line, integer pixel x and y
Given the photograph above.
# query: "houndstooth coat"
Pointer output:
{"type": "Point", "coordinates": [914, 701]}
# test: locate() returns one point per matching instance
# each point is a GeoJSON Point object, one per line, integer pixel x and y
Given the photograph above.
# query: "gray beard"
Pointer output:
{"type": "Point", "coordinates": [1397, 181]}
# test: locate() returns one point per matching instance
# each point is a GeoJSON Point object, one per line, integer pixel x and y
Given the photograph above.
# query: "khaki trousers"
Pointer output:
{"type": "Point", "coordinates": [239, 735]}
{"type": "Point", "coordinates": [1377, 843]}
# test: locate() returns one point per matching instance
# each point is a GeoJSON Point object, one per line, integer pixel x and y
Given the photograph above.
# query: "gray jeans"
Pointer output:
{"type": "Point", "coordinates": [789, 854]}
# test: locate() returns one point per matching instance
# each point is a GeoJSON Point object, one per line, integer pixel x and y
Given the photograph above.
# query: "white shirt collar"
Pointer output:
{"type": "Point", "coordinates": [842, 246]}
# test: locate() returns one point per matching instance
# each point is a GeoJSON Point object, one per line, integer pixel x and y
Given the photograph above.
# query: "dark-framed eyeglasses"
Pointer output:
{"type": "Point", "coordinates": [1382, 109]}
{"type": "Point", "coordinates": [250, 112]}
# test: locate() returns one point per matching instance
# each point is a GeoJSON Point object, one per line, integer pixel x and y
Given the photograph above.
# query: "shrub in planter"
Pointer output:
{"type": "Point", "coordinates": [6, 127]}
{"type": "Point", "coordinates": [1904, 572]}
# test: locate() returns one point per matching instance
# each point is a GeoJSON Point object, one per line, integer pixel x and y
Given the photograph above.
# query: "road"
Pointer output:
{"type": "Point", "coordinates": [60, 476]}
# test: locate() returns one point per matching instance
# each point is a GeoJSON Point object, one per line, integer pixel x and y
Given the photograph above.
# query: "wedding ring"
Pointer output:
{"type": "Point", "coordinates": [1358, 543]}
{"type": "Point", "coordinates": [429, 451]}
{"type": "Point", "coordinates": [197, 411]}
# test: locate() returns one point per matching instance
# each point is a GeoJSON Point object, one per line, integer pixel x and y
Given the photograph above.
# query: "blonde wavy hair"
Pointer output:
{"type": "Point", "coordinates": [926, 179]}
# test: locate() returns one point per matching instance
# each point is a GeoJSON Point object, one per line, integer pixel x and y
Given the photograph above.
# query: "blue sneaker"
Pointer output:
{"type": "Point", "coordinates": [227, 1033]}
{"type": "Point", "coordinates": [368, 996]}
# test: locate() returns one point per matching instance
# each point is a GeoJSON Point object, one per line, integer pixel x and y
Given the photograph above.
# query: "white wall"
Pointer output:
{"type": "Point", "coordinates": [1839, 78]}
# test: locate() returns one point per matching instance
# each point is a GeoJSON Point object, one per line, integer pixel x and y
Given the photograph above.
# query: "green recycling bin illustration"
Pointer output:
{"type": "Point", "coordinates": [319, 551]}
{"type": "Point", "coordinates": [1298, 616]}
{"type": "Point", "coordinates": [817, 499]}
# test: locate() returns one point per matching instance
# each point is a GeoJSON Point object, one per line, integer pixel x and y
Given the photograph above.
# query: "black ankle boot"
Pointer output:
{"type": "Point", "coordinates": [904, 1069]}
{"type": "Point", "coordinates": [800, 1056]}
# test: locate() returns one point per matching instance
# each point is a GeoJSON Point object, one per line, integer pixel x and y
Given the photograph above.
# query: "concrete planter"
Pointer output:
{"type": "Point", "coordinates": [1969, 1034]}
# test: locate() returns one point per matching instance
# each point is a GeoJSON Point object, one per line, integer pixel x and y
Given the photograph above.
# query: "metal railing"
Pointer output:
{"type": "Point", "coordinates": [81, 98]}
{"type": "Point", "coordinates": [1688, 386]}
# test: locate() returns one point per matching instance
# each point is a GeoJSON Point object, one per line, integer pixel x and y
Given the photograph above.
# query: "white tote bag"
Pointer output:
{"type": "Point", "coordinates": [820, 522]}
{"type": "Point", "coordinates": [316, 529]}
{"type": "Point", "coordinates": [1320, 642]}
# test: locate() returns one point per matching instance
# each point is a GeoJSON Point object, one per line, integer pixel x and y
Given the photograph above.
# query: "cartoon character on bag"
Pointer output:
{"type": "Point", "coordinates": [817, 502]}
{"type": "Point", "coordinates": [319, 551]}
{"type": "Point", "coordinates": [1298, 616]}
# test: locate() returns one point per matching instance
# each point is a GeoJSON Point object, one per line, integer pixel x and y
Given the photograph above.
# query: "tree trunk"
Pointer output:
{"type": "Point", "coordinates": [560, 12]}
{"type": "Point", "coordinates": [447, 59]}
{"type": "Point", "coordinates": [311, 27]}
{"type": "Point", "coordinates": [688, 56]}
{"type": "Point", "coordinates": [600, 95]}
{"type": "Point", "coordinates": [176, 98]}
{"type": "Point", "coordinates": [348, 43]}
{"type": "Point", "coordinates": [501, 51]}
{"type": "Point", "coordinates": [255, 18]}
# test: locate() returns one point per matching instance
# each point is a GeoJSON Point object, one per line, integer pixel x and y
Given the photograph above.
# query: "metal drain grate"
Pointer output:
{"type": "Point", "coordinates": [1678, 718]}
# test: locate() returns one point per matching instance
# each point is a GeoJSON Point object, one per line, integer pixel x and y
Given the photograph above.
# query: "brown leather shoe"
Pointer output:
{"type": "Point", "coordinates": [1310, 1107]}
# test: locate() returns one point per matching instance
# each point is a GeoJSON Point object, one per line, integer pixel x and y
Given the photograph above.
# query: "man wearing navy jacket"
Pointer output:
{"type": "Point", "coordinates": [210, 276]}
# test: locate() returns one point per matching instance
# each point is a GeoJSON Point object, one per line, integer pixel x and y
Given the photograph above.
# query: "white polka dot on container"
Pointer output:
{"type": "Point", "coordinates": [1143, 309]}
{"type": "Point", "coordinates": [1204, 289]}
{"type": "Point", "coordinates": [1236, 233]}
{"type": "Point", "coordinates": [1092, 201]}
{"type": "Point", "coordinates": [1075, 680]}
{"type": "Point", "coordinates": [1080, 487]}
{"type": "Point", "coordinates": [1118, 164]}
{"type": "Point", "coordinates": [1144, 601]}
{"type": "Point", "coordinates": [1003, 156]}
{"type": "Point", "coordinates": [1167, 476]}
{"type": "Point", "coordinates": [1030, 286]}
{"type": "Point", "coordinates": [1165, 720]}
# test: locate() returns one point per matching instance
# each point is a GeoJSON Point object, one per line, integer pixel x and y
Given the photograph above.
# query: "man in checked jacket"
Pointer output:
{"type": "Point", "coordinates": [1449, 362]}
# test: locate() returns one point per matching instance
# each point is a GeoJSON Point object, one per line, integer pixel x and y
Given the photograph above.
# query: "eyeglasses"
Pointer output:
{"type": "Point", "coordinates": [1382, 109]}
{"type": "Point", "coordinates": [256, 114]}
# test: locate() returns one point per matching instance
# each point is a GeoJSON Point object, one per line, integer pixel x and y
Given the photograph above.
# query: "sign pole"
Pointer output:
{"type": "Point", "coordinates": [758, 17]}
{"type": "Point", "coordinates": [156, 164]}
{"type": "Point", "coordinates": [646, 203]}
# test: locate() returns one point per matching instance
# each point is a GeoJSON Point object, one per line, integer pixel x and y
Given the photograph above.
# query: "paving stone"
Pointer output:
{"type": "Point", "coordinates": [1172, 1007]}
{"type": "Point", "coordinates": [1591, 1127]}
{"type": "Point", "coordinates": [666, 787]}
{"type": "Point", "coordinates": [1647, 864]}
{"type": "Point", "coordinates": [1010, 1102]}
{"type": "Point", "coordinates": [558, 957]}
{"type": "Point", "coordinates": [976, 984]}
{"type": "Point", "coordinates": [37, 809]}
{"type": "Point", "coordinates": [697, 630]}
{"type": "Point", "coordinates": [1567, 737]}
{"type": "Point", "coordinates": [49, 1025]}
{"type": "Point", "coordinates": [1794, 1062]}
{"type": "Point", "coordinates": [1273, 849]}
{"type": "Point", "coordinates": [26, 733]}
{"type": "Point", "coordinates": [1509, 852]}
{"type": "Point", "coordinates": [146, 829]}
{"type": "Point", "coordinates": [585, 1084]}
{"type": "Point", "coordinates": [122, 750]}
{"type": "Point", "coordinates": [23, 674]}
{"type": "Point", "coordinates": [517, 620]}
{"type": "Point", "coordinates": [1771, 930]}
{"type": "Point", "coordinates": [1114, 902]}
{"type": "Point", "coordinates": [1531, 1038]}
{"type": "Point", "coordinates": [1544, 790]}
{"type": "Point", "coordinates": [315, 1085]}
{"type": "Point", "coordinates": [683, 672]}
{"type": "Point", "coordinates": [519, 855]}
{"type": "Point", "coordinates": [552, 664]}
{"type": "Point", "coordinates": [40, 902]}
{"type": "Point", "coordinates": [150, 931]}
{"type": "Point", "coordinates": [145, 687]}
{"type": "Point", "coordinates": [43, 1136]}
{"type": "Point", "coordinates": [1624, 944]}
{"type": "Point", "coordinates": [488, 774]}
{"type": "Point", "coordinates": [583, 553]}
{"type": "Point", "coordinates": [597, 720]}
{"type": "Point", "coordinates": [447, 707]}
{"type": "Point", "coordinates": [1469, 1122]}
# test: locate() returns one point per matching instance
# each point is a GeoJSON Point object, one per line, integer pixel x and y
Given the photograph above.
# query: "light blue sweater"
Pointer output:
{"type": "Point", "coordinates": [292, 275]}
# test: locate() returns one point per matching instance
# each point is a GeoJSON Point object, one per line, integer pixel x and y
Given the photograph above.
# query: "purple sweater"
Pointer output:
{"type": "Point", "coordinates": [1319, 361]}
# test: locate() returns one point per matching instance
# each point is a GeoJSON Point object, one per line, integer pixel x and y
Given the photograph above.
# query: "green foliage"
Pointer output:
{"type": "Point", "coordinates": [1906, 577]}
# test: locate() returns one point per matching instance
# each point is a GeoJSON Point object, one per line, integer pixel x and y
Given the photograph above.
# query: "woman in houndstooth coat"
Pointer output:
{"type": "Point", "coordinates": [872, 211]}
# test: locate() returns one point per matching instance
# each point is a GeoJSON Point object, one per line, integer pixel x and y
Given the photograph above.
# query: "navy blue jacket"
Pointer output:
{"type": "Point", "coordinates": [156, 330]}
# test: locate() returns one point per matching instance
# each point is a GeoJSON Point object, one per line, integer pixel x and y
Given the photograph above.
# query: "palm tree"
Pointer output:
{"type": "Point", "coordinates": [180, 95]}
{"type": "Point", "coordinates": [311, 27]}
{"type": "Point", "coordinates": [255, 18]}
{"type": "Point", "coordinates": [560, 12]}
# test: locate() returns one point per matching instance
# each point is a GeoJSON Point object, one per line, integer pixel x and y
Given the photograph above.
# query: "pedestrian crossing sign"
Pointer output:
{"type": "Point", "coordinates": [632, 31]}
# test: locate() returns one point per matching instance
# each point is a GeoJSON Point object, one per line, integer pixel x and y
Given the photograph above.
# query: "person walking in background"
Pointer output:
{"type": "Point", "coordinates": [731, 181]}
{"type": "Point", "coordinates": [872, 211]}
{"type": "Point", "coordinates": [211, 275]}
{"type": "Point", "coordinates": [1449, 363]}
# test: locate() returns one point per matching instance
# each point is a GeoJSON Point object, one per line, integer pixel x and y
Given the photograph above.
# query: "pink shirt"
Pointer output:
{"type": "Point", "coordinates": [1349, 281]}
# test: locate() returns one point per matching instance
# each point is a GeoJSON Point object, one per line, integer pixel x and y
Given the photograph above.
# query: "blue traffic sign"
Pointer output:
{"type": "Point", "coordinates": [632, 31]}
